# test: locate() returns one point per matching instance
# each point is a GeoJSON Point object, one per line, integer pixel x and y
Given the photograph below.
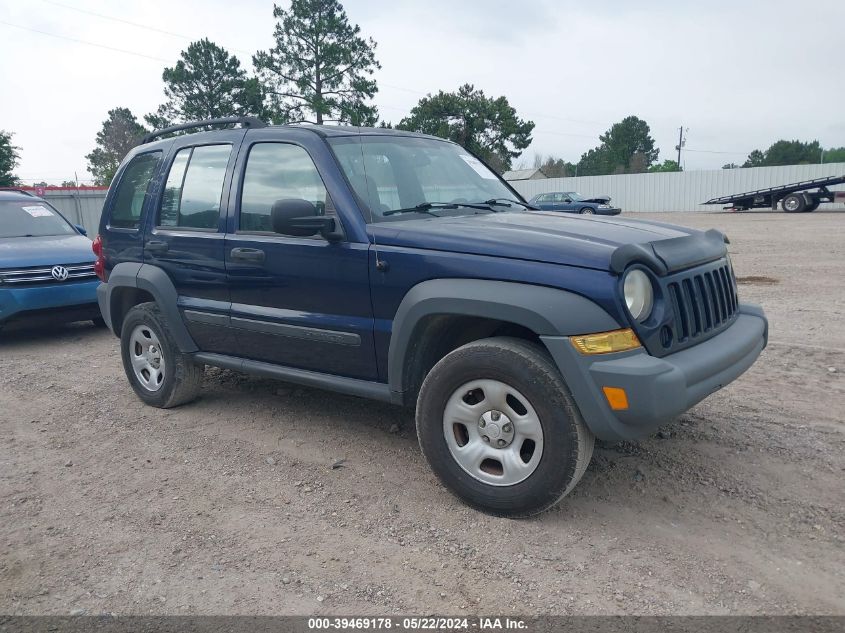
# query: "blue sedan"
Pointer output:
{"type": "Point", "coordinates": [46, 263]}
{"type": "Point", "coordinates": [572, 202]}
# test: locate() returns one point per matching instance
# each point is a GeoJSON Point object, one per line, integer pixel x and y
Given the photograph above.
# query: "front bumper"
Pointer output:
{"type": "Point", "coordinates": [41, 299]}
{"type": "Point", "coordinates": [658, 389]}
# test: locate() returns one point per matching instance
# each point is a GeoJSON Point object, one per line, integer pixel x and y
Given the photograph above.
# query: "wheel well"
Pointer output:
{"type": "Point", "coordinates": [437, 335]}
{"type": "Point", "coordinates": [122, 301]}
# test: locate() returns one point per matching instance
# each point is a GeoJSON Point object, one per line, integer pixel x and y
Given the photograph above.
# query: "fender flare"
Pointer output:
{"type": "Point", "coordinates": [543, 310]}
{"type": "Point", "coordinates": [155, 281]}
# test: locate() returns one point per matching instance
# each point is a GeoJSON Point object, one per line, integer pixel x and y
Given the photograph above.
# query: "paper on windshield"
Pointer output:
{"type": "Point", "coordinates": [478, 167]}
{"type": "Point", "coordinates": [38, 211]}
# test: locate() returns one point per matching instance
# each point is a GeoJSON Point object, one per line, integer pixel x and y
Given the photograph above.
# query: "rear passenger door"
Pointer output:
{"type": "Point", "coordinates": [301, 302]}
{"type": "Point", "coordinates": [186, 236]}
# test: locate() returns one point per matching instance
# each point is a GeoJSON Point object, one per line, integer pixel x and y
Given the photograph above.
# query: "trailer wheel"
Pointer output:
{"type": "Point", "coordinates": [793, 203]}
{"type": "Point", "coordinates": [811, 203]}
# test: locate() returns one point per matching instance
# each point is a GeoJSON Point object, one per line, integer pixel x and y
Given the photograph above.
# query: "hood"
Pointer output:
{"type": "Point", "coordinates": [597, 199]}
{"type": "Point", "coordinates": [556, 238]}
{"type": "Point", "coordinates": [24, 252]}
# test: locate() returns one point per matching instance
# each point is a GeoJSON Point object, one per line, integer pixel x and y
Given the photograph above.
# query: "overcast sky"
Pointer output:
{"type": "Point", "coordinates": [739, 74]}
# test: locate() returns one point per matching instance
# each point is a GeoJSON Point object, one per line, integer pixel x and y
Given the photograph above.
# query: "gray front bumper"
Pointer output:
{"type": "Point", "coordinates": [658, 389]}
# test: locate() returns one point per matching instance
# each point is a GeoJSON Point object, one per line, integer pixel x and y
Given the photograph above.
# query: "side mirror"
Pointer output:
{"type": "Point", "coordinates": [81, 229]}
{"type": "Point", "coordinates": [567, 200]}
{"type": "Point", "coordinates": [300, 218]}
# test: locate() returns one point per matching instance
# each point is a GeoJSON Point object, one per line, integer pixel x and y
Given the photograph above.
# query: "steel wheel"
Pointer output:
{"type": "Point", "coordinates": [493, 432]}
{"type": "Point", "coordinates": [147, 358]}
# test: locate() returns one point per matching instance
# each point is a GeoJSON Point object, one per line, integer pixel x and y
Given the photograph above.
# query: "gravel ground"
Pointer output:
{"type": "Point", "coordinates": [232, 505]}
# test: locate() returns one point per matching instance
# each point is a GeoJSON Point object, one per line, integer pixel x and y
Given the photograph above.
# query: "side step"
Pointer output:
{"type": "Point", "coordinates": [341, 384]}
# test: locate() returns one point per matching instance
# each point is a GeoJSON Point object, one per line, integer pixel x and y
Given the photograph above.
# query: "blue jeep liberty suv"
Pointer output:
{"type": "Point", "coordinates": [399, 267]}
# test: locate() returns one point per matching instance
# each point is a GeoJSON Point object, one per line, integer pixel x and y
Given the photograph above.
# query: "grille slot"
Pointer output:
{"type": "Point", "coordinates": [702, 302]}
{"type": "Point", "coordinates": [43, 275]}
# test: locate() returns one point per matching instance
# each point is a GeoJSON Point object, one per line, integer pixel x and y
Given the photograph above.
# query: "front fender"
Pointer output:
{"type": "Point", "coordinates": [543, 310]}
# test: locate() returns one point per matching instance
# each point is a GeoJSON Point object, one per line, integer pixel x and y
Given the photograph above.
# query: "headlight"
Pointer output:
{"type": "Point", "coordinates": [604, 206]}
{"type": "Point", "coordinates": [639, 296]}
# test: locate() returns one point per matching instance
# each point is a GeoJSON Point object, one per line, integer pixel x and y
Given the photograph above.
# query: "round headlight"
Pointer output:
{"type": "Point", "coordinates": [639, 296]}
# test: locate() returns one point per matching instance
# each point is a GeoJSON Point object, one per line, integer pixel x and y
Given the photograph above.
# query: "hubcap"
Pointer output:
{"type": "Point", "coordinates": [586, 212]}
{"type": "Point", "coordinates": [146, 357]}
{"type": "Point", "coordinates": [792, 204]}
{"type": "Point", "coordinates": [493, 432]}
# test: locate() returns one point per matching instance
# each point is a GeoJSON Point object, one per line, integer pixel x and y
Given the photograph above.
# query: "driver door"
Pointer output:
{"type": "Point", "coordinates": [300, 302]}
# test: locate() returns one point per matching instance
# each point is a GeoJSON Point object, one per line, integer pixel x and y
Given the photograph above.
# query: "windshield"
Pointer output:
{"type": "Point", "coordinates": [390, 173]}
{"type": "Point", "coordinates": [22, 218]}
{"type": "Point", "coordinates": [576, 197]}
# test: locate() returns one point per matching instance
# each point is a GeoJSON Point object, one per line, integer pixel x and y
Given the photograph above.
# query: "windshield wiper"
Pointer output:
{"type": "Point", "coordinates": [503, 202]}
{"type": "Point", "coordinates": [425, 207]}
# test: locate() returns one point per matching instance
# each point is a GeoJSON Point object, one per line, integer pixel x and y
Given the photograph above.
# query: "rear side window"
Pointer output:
{"type": "Point", "coordinates": [131, 190]}
{"type": "Point", "coordinates": [194, 187]}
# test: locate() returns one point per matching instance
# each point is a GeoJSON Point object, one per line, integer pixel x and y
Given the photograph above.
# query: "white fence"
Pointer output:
{"type": "Point", "coordinates": [682, 191]}
{"type": "Point", "coordinates": [80, 207]}
{"type": "Point", "coordinates": [676, 191]}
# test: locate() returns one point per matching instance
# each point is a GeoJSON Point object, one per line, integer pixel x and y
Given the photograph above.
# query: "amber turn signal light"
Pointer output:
{"type": "Point", "coordinates": [606, 342]}
{"type": "Point", "coordinates": [616, 398]}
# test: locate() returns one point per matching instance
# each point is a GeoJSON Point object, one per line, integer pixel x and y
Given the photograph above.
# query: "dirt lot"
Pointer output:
{"type": "Point", "coordinates": [231, 505]}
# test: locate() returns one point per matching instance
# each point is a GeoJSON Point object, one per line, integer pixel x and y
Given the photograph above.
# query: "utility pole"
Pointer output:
{"type": "Point", "coordinates": [680, 144]}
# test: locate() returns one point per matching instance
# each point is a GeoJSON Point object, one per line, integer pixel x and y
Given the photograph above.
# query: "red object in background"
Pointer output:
{"type": "Point", "coordinates": [100, 264]}
{"type": "Point", "coordinates": [39, 191]}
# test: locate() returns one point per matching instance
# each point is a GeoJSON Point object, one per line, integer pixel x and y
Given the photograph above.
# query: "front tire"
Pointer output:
{"type": "Point", "coordinates": [587, 211]}
{"type": "Point", "coordinates": [498, 426]}
{"type": "Point", "coordinates": [160, 374]}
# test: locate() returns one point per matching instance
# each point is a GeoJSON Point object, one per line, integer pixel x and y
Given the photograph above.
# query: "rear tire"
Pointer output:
{"type": "Point", "coordinates": [478, 391]}
{"type": "Point", "coordinates": [793, 203]}
{"type": "Point", "coordinates": [160, 374]}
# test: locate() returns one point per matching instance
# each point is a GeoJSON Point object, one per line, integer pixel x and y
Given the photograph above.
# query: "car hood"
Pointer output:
{"type": "Point", "coordinates": [23, 252]}
{"type": "Point", "coordinates": [572, 240]}
{"type": "Point", "coordinates": [597, 199]}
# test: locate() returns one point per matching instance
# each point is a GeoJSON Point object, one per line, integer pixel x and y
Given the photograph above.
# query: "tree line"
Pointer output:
{"type": "Point", "coordinates": [321, 69]}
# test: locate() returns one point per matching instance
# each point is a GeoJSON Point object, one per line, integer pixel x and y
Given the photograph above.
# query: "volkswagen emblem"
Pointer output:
{"type": "Point", "coordinates": [59, 273]}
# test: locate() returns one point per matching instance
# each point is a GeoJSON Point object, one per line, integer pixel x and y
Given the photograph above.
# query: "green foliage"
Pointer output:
{"type": "Point", "coordinates": [119, 134]}
{"type": "Point", "coordinates": [666, 165]}
{"type": "Point", "coordinates": [785, 153]}
{"type": "Point", "coordinates": [554, 167]}
{"type": "Point", "coordinates": [9, 157]}
{"type": "Point", "coordinates": [486, 126]}
{"type": "Point", "coordinates": [319, 65]}
{"type": "Point", "coordinates": [626, 148]}
{"type": "Point", "coordinates": [206, 83]}
{"type": "Point", "coordinates": [69, 184]}
{"type": "Point", "coordinates": [834, 155]}
{"type": "Point", "coordinates": [731, 166]}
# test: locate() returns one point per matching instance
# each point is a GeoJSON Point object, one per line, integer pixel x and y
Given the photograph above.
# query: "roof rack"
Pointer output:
{"type": "Point", "coordinates": [245, 121]}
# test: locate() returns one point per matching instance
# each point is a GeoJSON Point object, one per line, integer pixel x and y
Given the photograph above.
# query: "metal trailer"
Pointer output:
{"type": "Point", "coordinates": [794, 198]}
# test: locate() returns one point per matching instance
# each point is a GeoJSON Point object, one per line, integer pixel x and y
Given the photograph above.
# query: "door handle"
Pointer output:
{"type": "Point", "coordinates": [247, 254]}
{"type": "Point", "coordinates": [157, 247]}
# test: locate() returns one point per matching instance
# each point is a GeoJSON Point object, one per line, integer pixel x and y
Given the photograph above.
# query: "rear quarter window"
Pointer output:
{"type": "Point", "coordinates": [128, 201]}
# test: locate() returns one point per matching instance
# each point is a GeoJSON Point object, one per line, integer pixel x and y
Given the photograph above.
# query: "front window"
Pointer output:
{"type": "Point", "coordinates": [22, 218]}
{"type": "Point", "coordinates": [390, 173]}
{"type": "Point", "coordinates": [575, 197]}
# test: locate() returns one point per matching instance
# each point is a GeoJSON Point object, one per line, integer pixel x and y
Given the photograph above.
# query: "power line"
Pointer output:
{"type": "Point", "coordinates": [78, 41]}
{"type": "Point", "coordinates": [131, 23]}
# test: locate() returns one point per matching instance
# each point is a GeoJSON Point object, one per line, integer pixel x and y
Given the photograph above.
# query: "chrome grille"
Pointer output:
{"type": "Point", "coordinates": [702, 302]}
{"type": "Point", "coordinates": [41, 275]}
